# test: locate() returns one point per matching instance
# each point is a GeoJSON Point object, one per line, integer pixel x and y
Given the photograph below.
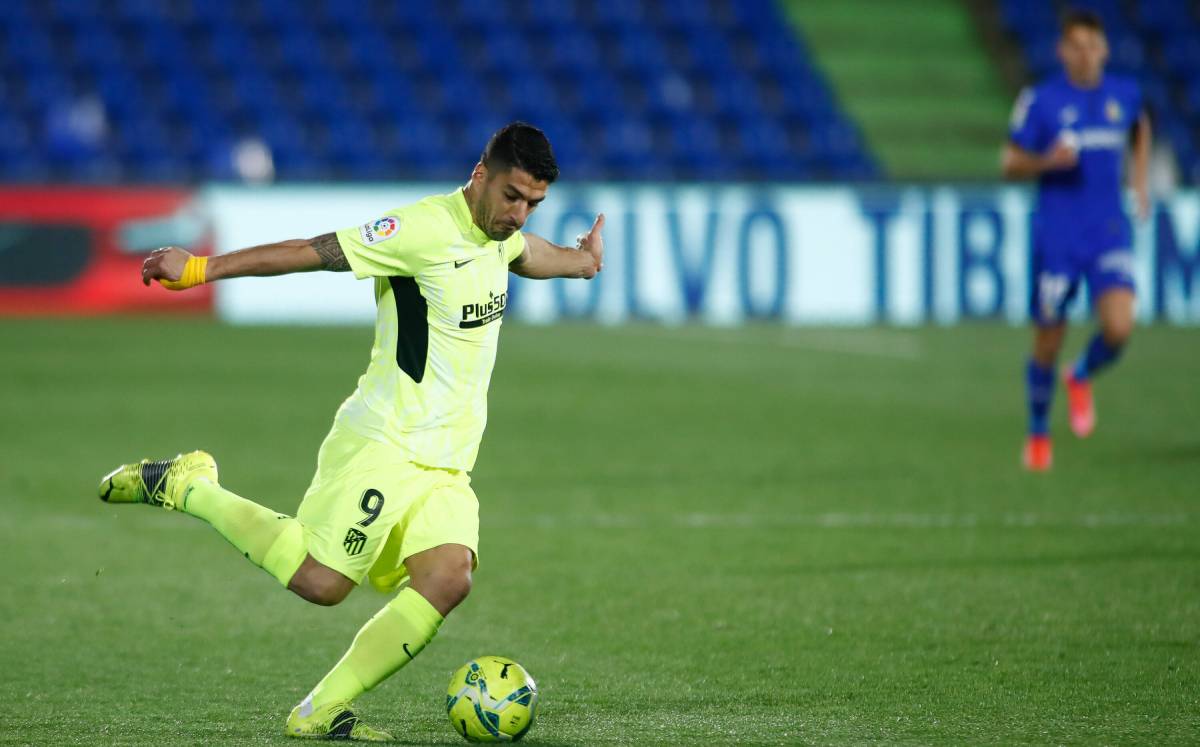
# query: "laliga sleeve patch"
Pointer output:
{"type": "Point", "coordinates": [379, 230]}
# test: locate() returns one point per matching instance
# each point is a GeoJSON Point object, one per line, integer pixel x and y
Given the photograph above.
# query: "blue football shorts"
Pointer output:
{"type": "Point", "coordinates": [1059, 266]}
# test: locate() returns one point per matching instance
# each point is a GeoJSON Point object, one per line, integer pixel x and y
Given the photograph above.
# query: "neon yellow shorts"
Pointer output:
{"type": "Point", "coordinates": [369, 508]}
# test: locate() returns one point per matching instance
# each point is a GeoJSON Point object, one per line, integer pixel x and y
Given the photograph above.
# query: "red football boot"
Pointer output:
{"type": "Point", "coordinates": [1080, 405]}
{"type": "Point", "coordinates": [1038, 454]}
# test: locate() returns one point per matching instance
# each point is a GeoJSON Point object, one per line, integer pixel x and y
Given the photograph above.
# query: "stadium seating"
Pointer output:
{"type": "Point", "coordinates": [170, 90]}
{"type": "Point", "coordinates": [1156, 41]}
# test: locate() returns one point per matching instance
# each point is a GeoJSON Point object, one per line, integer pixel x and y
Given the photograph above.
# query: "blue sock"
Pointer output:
{"type": "Point", "coordinates": [1099, 354]}
{"type": "Point", "coordinates": [1039, 388]}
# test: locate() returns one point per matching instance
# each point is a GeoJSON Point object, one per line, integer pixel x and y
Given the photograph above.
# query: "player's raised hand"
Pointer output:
{"type": "Point", "coordinates": [1142, 200]}
{"type": "Point", "coordinates": [165, 264]}
{"type": "Point", "coordinates": [593, 243]}
{"type": "Point", "coordinates": [1061, 158]}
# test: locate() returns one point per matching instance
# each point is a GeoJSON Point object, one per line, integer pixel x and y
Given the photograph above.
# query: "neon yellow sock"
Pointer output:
{"type": "Point", "coordinates": [273, 542]}
{"type": "Point", "coordinates": [389, 640]}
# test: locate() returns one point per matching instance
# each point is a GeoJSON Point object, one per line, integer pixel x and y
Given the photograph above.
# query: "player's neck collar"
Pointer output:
{"type": "Point", "coordinates": [463, 215]}
{"type": "Point", "coordinates": [1079, 87]}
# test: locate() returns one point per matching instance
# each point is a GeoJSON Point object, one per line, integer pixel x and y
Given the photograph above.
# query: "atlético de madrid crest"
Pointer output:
{"type": "Point", "coordinates": [354, 542]}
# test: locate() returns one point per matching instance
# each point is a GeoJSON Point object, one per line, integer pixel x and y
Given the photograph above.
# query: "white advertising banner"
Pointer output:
{"type": "Point", "coordinates": [725, 254]}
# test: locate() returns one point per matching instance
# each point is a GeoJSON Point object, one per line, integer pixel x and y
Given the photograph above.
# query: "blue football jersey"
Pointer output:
{"type": "Point", "coordinates": [1082, 203]}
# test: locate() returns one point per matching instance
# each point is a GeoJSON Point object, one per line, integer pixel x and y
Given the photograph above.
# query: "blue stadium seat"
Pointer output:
{"type": "Point", "coordinates": [1190, 100]}
{"type": "Point", "coordinates": [694, 148]}
{"type": "Point", "coordinates": [1163, 17]}
{"type": "Point", "coordinates": [651, 89]}
{"type": "Point", "coordinates": [16, 138]}
{"type": "Point", "coordinates": [640, 50]}
{"type": "Point", "coordinates": [1156, 94]}
{"type": "Point", "coordinates": [737, 98]}
{"type": "Point", "coordinates": [1127, 54]}
{"type": "Point", "coordinates": [620, 13]}
{"type": "Point", "coordinates": [1028, 17]}
{"type": "Point", "coordinates": [1182, 54]}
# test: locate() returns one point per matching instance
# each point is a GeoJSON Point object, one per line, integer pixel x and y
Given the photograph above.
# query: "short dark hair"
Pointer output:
{"type": "Point", "coordinates": [1080, 17]}
{"type": "Point", "coordinates": [523, 146]}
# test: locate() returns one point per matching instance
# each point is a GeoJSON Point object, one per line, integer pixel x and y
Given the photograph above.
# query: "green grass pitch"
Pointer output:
{"type": "Point", "coordinates": [689, 536]}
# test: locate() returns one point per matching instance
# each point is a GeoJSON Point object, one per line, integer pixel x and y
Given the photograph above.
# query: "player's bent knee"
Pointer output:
{"type": "Point", "coordinates": [322, 593]}
{"type": "Point", "coordinates": [329, 596]}
{"type": "Point", "coordinates": [1116, 334]}
{"type": "Point", "coordinates": [446, 588]}
{"type": "Point", "coordinates": [320, 584]}
{"type": "Point", "coordinates": [451, 586]}
{"type": "Point", "coordinates": [442, 575]}
{"type": "Point", "coordinates": [458, 586]}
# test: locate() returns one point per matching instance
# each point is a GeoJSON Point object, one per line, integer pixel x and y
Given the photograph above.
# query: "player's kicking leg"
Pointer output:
{"type": "Point", "coordinates": [157, 483]}
{"type": "Point", "coordinates": [188, 483]}
{"type": "Point", "coordinates": [1114, 308]}
{"type": "Point", "coordinates": [274, 542]}
{"type": "Point", "coordinates": [442, 534]}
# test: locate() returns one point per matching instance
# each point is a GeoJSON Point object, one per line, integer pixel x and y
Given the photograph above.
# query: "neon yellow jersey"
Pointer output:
{"type": "Point", "coordinates": [441, 286]}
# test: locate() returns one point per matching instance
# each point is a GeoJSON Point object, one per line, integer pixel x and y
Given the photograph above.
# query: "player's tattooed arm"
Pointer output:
{"type": "Point", "coordinates": [330, 251]}
{"type": "Point", "coordinates": [280, 258]}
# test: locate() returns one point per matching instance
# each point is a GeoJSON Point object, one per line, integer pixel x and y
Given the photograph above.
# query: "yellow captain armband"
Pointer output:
{"type": "Point", "coordinates": [193, 275]}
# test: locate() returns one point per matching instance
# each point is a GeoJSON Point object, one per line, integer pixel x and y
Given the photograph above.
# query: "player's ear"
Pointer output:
{"type": "Point", "coordinates": [479, 173]}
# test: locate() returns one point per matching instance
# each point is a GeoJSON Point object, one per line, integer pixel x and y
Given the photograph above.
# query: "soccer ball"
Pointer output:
{"type": "Point", "coordinates": [491, 699]}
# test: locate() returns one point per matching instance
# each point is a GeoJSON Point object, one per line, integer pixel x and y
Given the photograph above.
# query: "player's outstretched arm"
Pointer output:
{"type": "Point", "coordinates": [542, 259]}
{"type": "Point", "coordinates": [178, 269]}
{"type": "Point", "coordinates": [1018, 163]}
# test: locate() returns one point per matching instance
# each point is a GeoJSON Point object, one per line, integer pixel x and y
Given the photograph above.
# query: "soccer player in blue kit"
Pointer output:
{"type": "Point", "coordinates": [1071, 133]}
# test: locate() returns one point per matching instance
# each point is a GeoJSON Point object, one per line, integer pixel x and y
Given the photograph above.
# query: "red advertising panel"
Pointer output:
{"type": "Point", "coordinates": [80, 250]}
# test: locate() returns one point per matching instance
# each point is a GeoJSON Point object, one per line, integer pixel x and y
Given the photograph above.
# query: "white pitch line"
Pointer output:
{"type": "Point", "coordinates": [854, 521]}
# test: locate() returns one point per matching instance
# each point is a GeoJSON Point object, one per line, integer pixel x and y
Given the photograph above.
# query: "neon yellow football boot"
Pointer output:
{"type": "Point", "coordinates": [335, 721]}
{"type": "Point", "coordinates": [160, 483]}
